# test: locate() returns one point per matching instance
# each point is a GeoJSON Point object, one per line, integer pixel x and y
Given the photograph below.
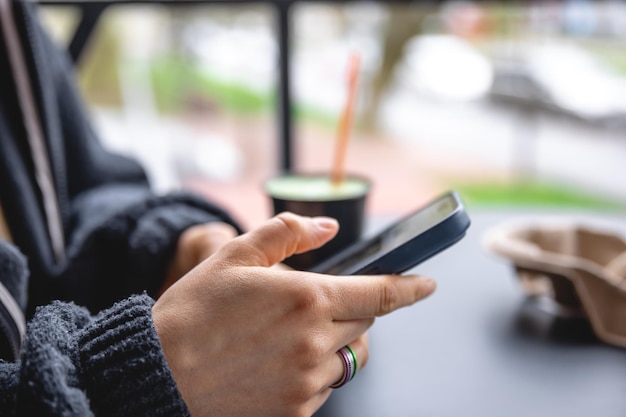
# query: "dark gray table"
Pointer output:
{"type": "Point", "coordinates": [477, 348]}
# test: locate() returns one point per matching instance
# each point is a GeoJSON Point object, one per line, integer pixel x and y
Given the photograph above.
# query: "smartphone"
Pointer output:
{"type": "Point", "coordinates": [406, 243]}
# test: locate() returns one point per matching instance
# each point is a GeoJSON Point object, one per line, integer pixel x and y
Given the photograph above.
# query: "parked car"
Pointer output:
{"type": "Point", "coordinates": [562, 79]}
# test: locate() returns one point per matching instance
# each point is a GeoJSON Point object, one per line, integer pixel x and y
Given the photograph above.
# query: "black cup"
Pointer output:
{"type": "Point", "coordinates": [347, 204]}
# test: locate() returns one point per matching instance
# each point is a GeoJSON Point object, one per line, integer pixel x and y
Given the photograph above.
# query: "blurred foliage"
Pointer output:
{"type": "Point", "coordinates": [608, 52]}
{"type": "Point", "coordinates": [531, 193]}
{"type": "Point", "coordinates": [326, 119]}
{"type": "Point", "coordinates": [176, 79]}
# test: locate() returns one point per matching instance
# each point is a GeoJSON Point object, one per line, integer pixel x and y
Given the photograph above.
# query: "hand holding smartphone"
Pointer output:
{"type": "Point", "coordinates": [406, 243]}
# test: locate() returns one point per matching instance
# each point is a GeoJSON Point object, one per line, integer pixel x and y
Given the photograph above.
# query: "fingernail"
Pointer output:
{"type": "Point", "coordinates": [327, 223]}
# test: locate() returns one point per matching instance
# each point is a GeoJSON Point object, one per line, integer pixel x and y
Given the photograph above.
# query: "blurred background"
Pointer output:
{"type": "Point", "coordinates": [511, 103]}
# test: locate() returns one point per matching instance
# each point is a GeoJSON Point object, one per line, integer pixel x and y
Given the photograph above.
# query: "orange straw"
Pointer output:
{"type": "Point", "coordinates": [343, 131]}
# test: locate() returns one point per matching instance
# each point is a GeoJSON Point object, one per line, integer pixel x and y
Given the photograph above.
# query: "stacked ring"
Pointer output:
{"type": "Point", "coordinates": [350, 366]}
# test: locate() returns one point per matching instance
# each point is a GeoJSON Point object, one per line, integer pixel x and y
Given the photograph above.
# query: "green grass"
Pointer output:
{"type": "Point", "coordinates": [315, 115]}
{"type": "Point", "coordinates": [611, 53]}
{"type": "Point", "coordinates": [534, 194]}
{"type": "Point", "coordinates": [174, 80]}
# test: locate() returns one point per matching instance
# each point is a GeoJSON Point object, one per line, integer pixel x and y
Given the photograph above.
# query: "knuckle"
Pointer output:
{"type": "Point", "coordinates": [300, 393]}
{"type": "Point", "coordinates": [311, 298]}
{"type": "Point", "coordinates": [289, 221]}
{"type": "Point", "coordinates": [388, 299]}
{"type": "Point", "coordinates": [312, 351]}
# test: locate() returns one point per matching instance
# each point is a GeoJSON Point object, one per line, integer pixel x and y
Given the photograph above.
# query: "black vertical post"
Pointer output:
{"type": "Point", "coordinates": [284, 99]}
{"type": "Point", "coordinates": [90, 16]}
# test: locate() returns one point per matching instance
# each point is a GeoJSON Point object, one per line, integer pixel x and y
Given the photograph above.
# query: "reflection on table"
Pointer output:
{"type": "Point", "coordinates": [478, 347]}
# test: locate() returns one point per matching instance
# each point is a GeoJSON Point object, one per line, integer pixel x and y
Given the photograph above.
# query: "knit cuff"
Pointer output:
{"type": "Point", "coordinates": [123, 366]}
{"type": "Point", "coordinates": [154, 240]}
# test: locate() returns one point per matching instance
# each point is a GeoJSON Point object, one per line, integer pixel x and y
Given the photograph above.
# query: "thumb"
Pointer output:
{"type": "Point", "coordinates": [280, 237]}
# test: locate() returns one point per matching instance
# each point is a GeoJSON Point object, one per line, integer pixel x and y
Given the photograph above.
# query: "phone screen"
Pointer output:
{"type": "Point", "coordinates": [398, 234]}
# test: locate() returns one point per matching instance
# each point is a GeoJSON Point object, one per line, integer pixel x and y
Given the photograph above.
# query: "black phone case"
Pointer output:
{"type": "Point", "coordinates": [415, 251]}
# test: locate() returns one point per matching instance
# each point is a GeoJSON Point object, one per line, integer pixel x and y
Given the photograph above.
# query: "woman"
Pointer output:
{"type": "Point", "coordinates": [86, 247]}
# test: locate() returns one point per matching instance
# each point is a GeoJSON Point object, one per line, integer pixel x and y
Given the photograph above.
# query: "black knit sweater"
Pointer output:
{"type": "Point", "coordinates": [74, 364]}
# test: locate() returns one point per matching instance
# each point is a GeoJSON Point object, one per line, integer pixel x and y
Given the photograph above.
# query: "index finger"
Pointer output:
{"type": "Point", "coordinates": [357, 297]}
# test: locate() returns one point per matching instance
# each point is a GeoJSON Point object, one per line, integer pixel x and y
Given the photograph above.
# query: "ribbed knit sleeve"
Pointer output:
{"type": "Point", "coordinates": [75, 364]}
{"type": "Point", "coordinates": [121, 241]}
{"type": "Point", "coordinates": [123, 367]}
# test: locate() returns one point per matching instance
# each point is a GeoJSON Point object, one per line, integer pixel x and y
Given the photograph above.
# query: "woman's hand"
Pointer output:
{"type": "Point", "coordinates": [244, 339]}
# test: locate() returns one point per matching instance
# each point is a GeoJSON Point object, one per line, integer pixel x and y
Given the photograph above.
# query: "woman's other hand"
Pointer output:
{"type": "Point", "coordinates": [195, 245]}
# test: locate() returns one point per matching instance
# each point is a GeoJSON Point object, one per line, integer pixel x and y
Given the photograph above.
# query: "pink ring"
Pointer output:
{"type": "Point", "coordinates": [350, 366]}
